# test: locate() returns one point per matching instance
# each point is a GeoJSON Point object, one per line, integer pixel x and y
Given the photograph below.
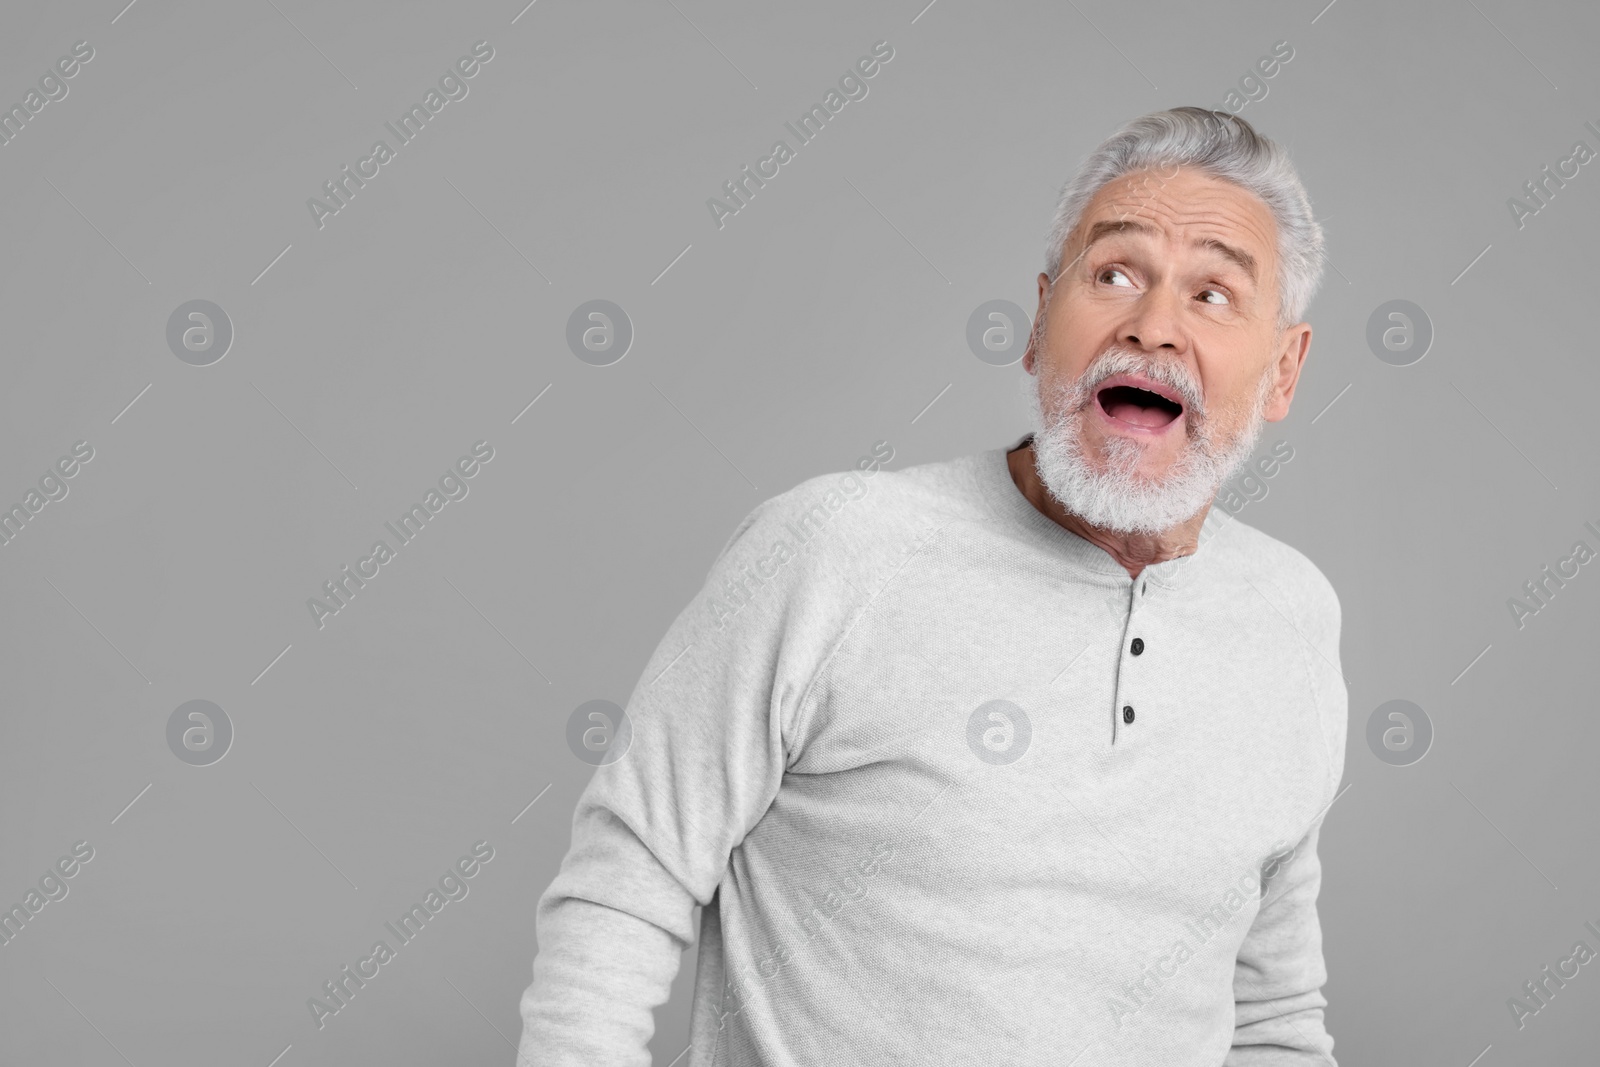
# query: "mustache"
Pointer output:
{"type": "Point", "coordinates": [1120, 360]}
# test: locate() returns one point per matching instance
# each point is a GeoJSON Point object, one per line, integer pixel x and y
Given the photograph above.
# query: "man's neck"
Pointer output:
{"type": "Point", "coordinates": [1134, 551]}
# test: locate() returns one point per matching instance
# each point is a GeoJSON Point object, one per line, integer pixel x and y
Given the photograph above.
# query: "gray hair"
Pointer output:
{"type": "Point", "coordinates": [1221, 145]}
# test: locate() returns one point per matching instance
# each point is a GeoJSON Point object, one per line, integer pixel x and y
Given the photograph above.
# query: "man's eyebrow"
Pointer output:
{"type": "Point", "coordinates": [1107, 227]}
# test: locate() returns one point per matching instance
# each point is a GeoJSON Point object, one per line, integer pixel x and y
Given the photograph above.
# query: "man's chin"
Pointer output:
{"type": "Point", "coordinates": [1136, 466]}
{"type": "Point", "coordinates": [1118, 487]}
{"type": "Point", "coordinates": [1146, 474]}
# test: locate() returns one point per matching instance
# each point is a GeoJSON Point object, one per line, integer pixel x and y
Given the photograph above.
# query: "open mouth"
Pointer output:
{"type": "Point", "coordinates": [1137, 407]}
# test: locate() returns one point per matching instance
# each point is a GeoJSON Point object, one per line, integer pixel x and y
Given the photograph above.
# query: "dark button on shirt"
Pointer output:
{"type": "Point", "coordinates": [1127, 713]}
{"type": "Point", "coordinates": [1138, 645]}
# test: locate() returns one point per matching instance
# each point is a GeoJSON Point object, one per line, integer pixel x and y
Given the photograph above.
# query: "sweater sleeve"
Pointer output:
{"type": "Point", "coordinates": [1278, 976]}
{"type": "Point", "coordinates": [710, 719]}
{"type": "Point", "coordinates": [1279, 972]}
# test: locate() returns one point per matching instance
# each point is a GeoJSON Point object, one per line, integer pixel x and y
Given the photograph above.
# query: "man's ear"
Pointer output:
{"type": "Point", "coordinates": [1293, 346]}
{"type": "Point", "coordinates": [1029, 362]}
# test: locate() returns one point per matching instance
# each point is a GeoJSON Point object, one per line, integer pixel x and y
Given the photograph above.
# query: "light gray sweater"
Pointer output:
{"type": "Point", "coordinates": [952, 788]}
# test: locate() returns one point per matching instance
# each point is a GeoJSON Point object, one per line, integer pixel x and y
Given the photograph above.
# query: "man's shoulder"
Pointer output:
{"type": "Point", "coordinates": [1297, 590]}
{"type": "Point", "coordinates": [848, 520]}
{"type": "Point", "coordinates": [1260, 557]}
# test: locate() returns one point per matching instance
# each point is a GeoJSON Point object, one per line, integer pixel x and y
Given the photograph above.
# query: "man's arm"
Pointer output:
{"type": "Point", "coordinates": [1279, 972]}
{"type": "Point", "coordinates": [1278, 976]}
{"type": "Point", "coordinates": [652, 833]}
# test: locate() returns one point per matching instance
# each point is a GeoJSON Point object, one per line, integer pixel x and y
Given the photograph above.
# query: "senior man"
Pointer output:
{"type": "Point", "coordinates": [1021, 758]}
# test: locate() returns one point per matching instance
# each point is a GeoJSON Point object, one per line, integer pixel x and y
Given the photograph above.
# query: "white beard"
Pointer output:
{"type": "Point", "coordinates": [1103, 490]}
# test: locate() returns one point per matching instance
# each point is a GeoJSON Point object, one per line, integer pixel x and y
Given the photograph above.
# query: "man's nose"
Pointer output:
{"type": "Point", "coordinates": [1153, 322]}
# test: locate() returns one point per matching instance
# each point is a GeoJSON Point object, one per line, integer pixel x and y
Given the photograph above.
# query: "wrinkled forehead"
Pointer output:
{"type": "Point", "coordinates": [1181, 206]}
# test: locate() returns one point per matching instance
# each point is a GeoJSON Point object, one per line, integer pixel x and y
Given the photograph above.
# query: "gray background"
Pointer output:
{"type": "Point", "coordinates": [825, 316]}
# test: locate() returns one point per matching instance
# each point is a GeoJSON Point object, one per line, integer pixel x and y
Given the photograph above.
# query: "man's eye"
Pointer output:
{"type": "Point", "coordinates": [1219, 293]}
{"type": "Point", "coordinates": [1112, 270]}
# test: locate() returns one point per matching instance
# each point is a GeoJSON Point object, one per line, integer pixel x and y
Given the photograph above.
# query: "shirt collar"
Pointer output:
{"type": "Point", "coordinates": [1084, 555]}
